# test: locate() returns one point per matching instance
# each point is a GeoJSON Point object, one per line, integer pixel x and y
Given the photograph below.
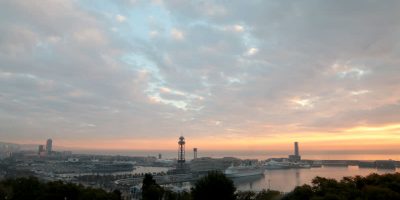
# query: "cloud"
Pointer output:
{"type": "Point", "coordinates": [346, 71]}
{"type": "Point", "coordinates": [90, 36]}
{"type": "Point", "coordinates": [258, 69]}
{"type": "Point", "coordinates": [177, 34]}
{"type": "Point", "coordinates": [383, 115]}
{"type": "Point", "coordinates": [252, 51]}
{"type": "Point", "coordinates": [360, 92]}
{"type": "Point", "coordinates": [304, 103]}
{"type": "Point", "coordinates": [120, 18]}
{"type": "Point", "coordinates": [238, 28]}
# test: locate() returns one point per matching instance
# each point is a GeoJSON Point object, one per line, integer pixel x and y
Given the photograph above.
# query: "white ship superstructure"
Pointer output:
{"type": "Point", "coordinates": [243, 170]}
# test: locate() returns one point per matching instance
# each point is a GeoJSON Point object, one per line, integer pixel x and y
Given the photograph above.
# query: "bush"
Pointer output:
{"type": "Point", "coordinates": [372, 187]}
{"type": "Point", "coordinates": [214, 186]}
{"type": "Point", "coordinates": [150, 189]}
{"type": "Point", "coordinates": [32, 188]}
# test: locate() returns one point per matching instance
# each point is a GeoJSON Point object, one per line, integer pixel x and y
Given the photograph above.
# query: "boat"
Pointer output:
{"type": "Point", "coordinates": [302, 165]}
{"type": "Point", "coordinates": [243, 171]}
{"type": "Point", "coordinates": [316, 164]}
{"type": "Point", "coordinates": [272, 164]}
{"type": "Point", "coordinates": [385, 164]}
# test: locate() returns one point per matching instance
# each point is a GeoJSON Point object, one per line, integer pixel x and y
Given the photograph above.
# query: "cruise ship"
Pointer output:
{"type": "Point", "coordinates": [277, 165]}
{"type": "Point", "coordinates": [272, 164]}
{"type": "Point", "coordinates": [243, 171]}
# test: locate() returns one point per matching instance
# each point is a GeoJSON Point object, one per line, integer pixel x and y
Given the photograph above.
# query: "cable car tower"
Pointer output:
{"type": "Point", "coordinates": [181, 152]}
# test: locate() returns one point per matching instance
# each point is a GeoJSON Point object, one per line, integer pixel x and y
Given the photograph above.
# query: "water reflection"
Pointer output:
{"type": "Point", "coordinates": [385, 171]}
{"type": "Point", "coordinates": [249, 180]}
{"type": "Point", "coordinates": [297, 177]}
{"type": "Point", "coordinates": [287, 180]}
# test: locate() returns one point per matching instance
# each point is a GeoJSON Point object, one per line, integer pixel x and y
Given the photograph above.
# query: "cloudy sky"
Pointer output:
{"type": "Point", "coordinates": [225, 74]}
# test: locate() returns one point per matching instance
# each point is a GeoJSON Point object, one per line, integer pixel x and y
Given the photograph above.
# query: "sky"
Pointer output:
{"type": "Point", "coordinates": [231, 75]}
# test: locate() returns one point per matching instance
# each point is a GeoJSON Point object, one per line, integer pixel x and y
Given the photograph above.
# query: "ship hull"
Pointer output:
{"type": "Point", "coordinates": [245, 174]}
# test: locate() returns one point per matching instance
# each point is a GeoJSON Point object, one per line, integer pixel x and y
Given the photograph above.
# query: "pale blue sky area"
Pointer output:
{"type": "Point", "coordinates": [232, 70]}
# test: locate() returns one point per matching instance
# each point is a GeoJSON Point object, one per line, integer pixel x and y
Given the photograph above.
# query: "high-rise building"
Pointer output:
{"type": "Point", "coordinates": [40, 149]}
{"type": "Point", "coordinates": [296, 157]}
{"type": "Point", "coordinates": [49, 146]}
{"type": "Point", "coordinates": [296, 149]}
{"type": "Point", "coordinates": [194, 153]}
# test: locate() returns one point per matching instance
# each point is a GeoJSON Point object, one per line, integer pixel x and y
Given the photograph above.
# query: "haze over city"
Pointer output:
{"type": "Point", "coordinates": [228, 75]}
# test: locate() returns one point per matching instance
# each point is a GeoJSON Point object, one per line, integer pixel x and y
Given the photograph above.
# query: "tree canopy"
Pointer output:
{"type": "Point", "coordinates": [32, 188]}
{"type": "Point", "coordinates": [150, 189]}
{"type": "Point", "coordinates": [372, 187]}
{"type": "Point", "coordinates": [214, 186]}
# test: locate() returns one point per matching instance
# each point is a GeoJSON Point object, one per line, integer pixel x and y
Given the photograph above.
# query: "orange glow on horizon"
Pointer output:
{"type": "Point", "coordinates": [356, 138]}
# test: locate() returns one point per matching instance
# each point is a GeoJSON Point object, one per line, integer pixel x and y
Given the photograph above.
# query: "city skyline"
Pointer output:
{"type": "Point", "coordinates": [233, 75]}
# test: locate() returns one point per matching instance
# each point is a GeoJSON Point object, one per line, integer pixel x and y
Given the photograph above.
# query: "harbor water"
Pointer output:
{"type": "Point", "coordinates": [285, 180]}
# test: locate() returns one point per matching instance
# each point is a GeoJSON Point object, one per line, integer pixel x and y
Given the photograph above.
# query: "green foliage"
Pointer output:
{"type": "Point", "coordinates": [303, 192]}
{"type": "Point", "coordinates": [214, 186]}
{"type": "Point", "coordinates": [150, 189]}
{"type": "Point", "coordinates": [262, 195]}
{"type": "Point", "coordinates": [372, 187]}
{"type": "Point", "coordinates": [245, 195]}
{"type": "Point", "coordinates": [170, 195]}
{"type": "Point", "coordinates": [268, 195]}
{"type": "Point", "coordinates": [32, 188]}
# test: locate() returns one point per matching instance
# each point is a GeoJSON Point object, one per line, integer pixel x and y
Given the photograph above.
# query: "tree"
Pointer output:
{"type": "Point", "coordinates": [5, 192]}
{"type": "Point", "coordinates": [268, 195]}
{"type": "Point", "coordinates": [32, 188]}
{"type": "Point", "coordinates": [374, 186]}
{"type": "Point", "coordinates": [150, 189]}
{"type": "Point", "coordinates": [170, 195]}
{"type": "Point", "coordinates": [214, 186]}
{"type": "Point", "coordinates": [117, 194]}
{"type": "Point", "coordinates": [245, 195]}
{"type": "Point", "coordinates": [303, 192]}
{"type": "Point", "coordinates": [25, 188]}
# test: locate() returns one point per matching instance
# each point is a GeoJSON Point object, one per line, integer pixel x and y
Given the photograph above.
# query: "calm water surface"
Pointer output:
{"type": "Point", "coordinates": [286, 180]}
{"type": "Point", "coordinates": [261, 155]}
